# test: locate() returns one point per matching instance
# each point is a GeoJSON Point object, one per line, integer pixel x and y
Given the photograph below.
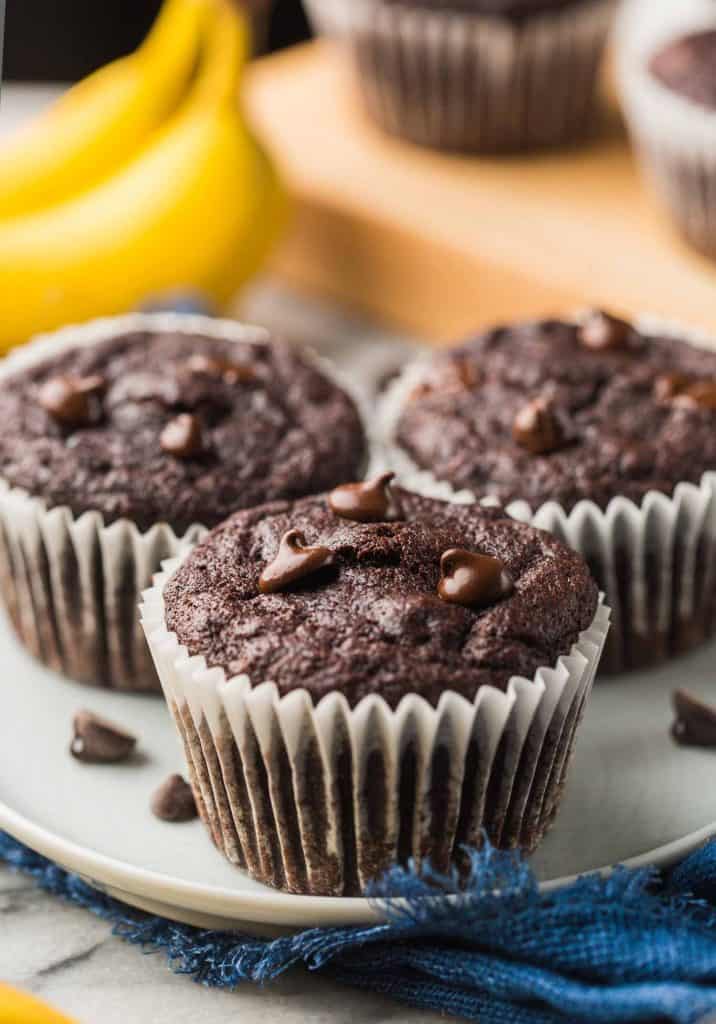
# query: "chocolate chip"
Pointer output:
{"type": "Point", "coordinates": [695, 721]}
{"type": "Point", "coordinates": [455, 375]}
{"type": "Point", "coordinates": [213, 366]}
{"type": "Point", "coordinates": [98, 741]}
{"type": "Point", "coordinates": [701, 395]}
{"type": "Point", "coordinates": [537, 428]}
{"type": "Point", "coordinates": [174, 800]}
{"type": "Point", "coordinates": [73, 401]}
{"type": "Point", "coordinates": [472, 579]}
{"type": "Point", "coordinates": [602, 332]}
{"type": "Point", "coordinates": [367, 502]}
{"type": "Point", "coordinates": [182, 437]}
{"type": "Point", "coordinates": [293, 562]}
{"type": "Point", "coordinates": [669, 385]}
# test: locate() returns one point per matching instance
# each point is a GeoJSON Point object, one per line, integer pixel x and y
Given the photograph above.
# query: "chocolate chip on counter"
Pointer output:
{"type": "Point", "coordinates": [367, 502]}
{"type": "Point", "coordinates": [602, 332]}
{"type": "Point", "coordinates": [472, 579]}
{"type": "Point", "coordinates": [174, 800]}
{"type": "Point", "coordinates": [98, 741]}
{"type": "Point", "coordinates": [700, 395]}
{"type": "Point", "coordinates": [212, 366]}
{"type": "Point", "coordinates": [694, 722]}
{"type": "Point", "coordinates": [537, 428]}
{"type": "Point", "coordinates": [72, 401]}
{"type": "Point", "coordinates": [182, 437]}
{"type": "Point", "coordinates": [669, 385]}
{"type": "Point", "coordinates": [293, 562]}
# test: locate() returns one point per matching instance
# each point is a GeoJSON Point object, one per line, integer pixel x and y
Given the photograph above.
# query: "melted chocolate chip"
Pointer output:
{"type": "Point", "coordinates": [72, 401]}
{"type": "Point", "coordinates": [537, 428]}
{"type": "Point", "coordinates": [98, 741]}
{"type": "Point", "coordinates": [174, 800]}
{"type": "Point", "coordinates": [695, 721]}
{"type": "Point", "coordinates": [602, 332]}
{"type": "Point", "coordinates": [182, 437]}
{"type": "Point", "coordinates": [293, 562]}
{"type": "Point", "coordinates": [669, 385]}
{"type": "Point", "coordinates": [701, 395]}
{"type": "Point", "coordinates": [367, 502]}
{"type": "Point", "coordinates": [232, 373]}
{"type": "Point", "coordinates": [472, 579]}
{"type": "Point", "coordinates": [456, 375]}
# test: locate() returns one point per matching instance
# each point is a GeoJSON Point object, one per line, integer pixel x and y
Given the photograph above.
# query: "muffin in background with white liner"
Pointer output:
{"type": "Point", "coordinates": [667, 77]}
{"type": "Point", "coordinates": [599, 430]}
{"type": "Point", "coordinates": [124, 440]}
{"type": "Point", "coordinates": [367, 676]}
{"type": "Point", "coordinates": [475, 75]}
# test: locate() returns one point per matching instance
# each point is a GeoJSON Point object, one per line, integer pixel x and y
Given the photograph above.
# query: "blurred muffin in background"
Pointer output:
{"type": "Point", "coordinates": [668, 80]}
{"type": "Point", "coordinates": [475, 75]}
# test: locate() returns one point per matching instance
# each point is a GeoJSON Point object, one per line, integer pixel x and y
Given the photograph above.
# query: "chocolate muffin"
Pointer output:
{"type": "Point", "coordinates": [137, 435]}
{"type": "Point", "coordinates": [567, 414]}
{"type": "Point", "coordinates": [669, 92]}
{"type": "Point", "coordinates": [385, 657]}
{"type": "Point", "coordinates": [476, 75]}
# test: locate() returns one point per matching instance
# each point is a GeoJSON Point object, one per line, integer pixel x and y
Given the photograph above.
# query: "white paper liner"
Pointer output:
{"type": "Point", "coordinates": [654, 561]}
{"type": "Point", "coordinates": [71, 585]}
{"type": "Point", "coordinates": [474, 82]}
{"type": "Point", "coordinates": [323, 799]}
{"type": "Point", "coordinates": [675, 137]}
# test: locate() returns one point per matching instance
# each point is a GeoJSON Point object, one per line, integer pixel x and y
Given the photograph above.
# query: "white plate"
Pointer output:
{"type": "Point", "coordinates": [633, 795]}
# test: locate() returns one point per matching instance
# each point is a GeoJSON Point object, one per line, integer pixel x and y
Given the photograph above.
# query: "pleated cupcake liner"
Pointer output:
{"type": "Point", "coordinates": [71, 584]}
{"type": "Point", "coordinates": [655, 561]}
{"type": "Point", "coordinates": [675, 137]}
{"type": "Point", "coordinates": [322, 799]}
{"type": "Point", "coordinates": [472, 82]}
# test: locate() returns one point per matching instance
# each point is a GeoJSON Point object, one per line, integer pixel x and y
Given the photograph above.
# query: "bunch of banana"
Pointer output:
{"type": "Point", "coordinates": [144, 179]}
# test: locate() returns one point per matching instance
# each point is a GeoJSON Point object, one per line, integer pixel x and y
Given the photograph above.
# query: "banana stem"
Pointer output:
{"type": "Point", "coordinates": [224, 56]}
{"type": "Point", "coordinates": [167, 25]}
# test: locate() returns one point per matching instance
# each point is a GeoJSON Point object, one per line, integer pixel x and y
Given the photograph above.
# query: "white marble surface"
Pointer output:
{"type": "Point", "coordinates": [70, 959]}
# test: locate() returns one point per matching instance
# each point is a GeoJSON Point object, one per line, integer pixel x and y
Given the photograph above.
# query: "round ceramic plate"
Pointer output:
{"type": "Point", "coordinates": [633, 796]}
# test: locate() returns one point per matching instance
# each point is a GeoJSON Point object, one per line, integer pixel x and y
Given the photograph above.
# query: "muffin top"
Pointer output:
{"type": "Point", "coordinates": [432, 597]}
{"type": "Point", "coordinates": [517, 9]}
{"type": "Point", "coordinates": [176, 427]}
{"type": "Point", "coordinates": [553, 411]}
{"type": "Point", "coordinates": [688, 66]}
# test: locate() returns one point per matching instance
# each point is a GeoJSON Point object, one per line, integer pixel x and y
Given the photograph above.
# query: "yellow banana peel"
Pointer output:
{"type": "Point", "coordinates": [102, 122]}
{"type": "Point", "coordinates": [21, 1008]}
{"type": "Point", "coordinates": [197, 208]}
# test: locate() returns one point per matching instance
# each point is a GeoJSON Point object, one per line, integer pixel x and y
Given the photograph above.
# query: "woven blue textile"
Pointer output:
{"type": "Point", "coordinates": [638, 946]}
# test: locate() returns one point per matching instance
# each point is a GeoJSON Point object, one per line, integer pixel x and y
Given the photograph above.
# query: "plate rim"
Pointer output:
{"type": "Point", "coordinates": [265, 908]}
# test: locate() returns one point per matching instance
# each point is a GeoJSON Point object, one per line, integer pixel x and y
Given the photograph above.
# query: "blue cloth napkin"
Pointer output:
{"type": "Point", "coordinates": [637, 946]}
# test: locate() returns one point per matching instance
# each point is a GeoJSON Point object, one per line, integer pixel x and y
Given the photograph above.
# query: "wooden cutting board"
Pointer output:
{"type": "Point", "coordinates": [441, 244]}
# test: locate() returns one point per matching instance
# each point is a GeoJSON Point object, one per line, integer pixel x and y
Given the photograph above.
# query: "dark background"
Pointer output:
{"type": "Point", "coordinates": [62, 40]}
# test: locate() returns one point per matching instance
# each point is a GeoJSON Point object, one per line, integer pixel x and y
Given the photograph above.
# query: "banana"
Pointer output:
{"type": "Point", "coordinates": [184, 213]}
{"type": "Point", "coordinates": [20, 1008]}
{"type": "Point", "coordinates": [102, 122]}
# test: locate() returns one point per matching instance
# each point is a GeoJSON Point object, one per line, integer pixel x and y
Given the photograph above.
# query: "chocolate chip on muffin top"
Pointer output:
{"type": "Point", "coordinates": [559, 411]}
{"type": "Point", "coordinates": [687, 66]}
{"type": "Point", "coordinates": [439, 597]}
{"type": "Point", "coordinates": [176, 427]}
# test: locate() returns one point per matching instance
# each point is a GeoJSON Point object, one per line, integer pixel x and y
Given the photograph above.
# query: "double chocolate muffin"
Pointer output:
{"type": "Point", "coordinates": [132, 438]}
{"type": "Point", "coordinates": [566, 413]}
{"type": "Point", "coordinates": [402, 641]}
{"type": "Point", "coordinates": [669, 92]}
{"type": "Point", "coordinates": [476, 75]}
{"type": "Point", "coordinates": [176, 427]}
